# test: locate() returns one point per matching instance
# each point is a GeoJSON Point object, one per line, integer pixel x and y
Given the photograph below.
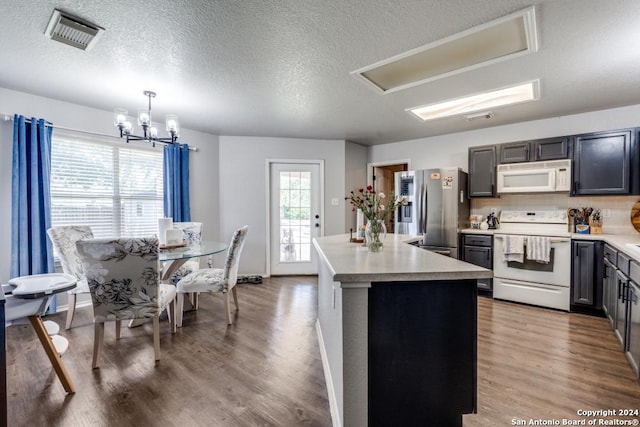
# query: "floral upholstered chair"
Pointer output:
{"type": "Point", "coordinates": [123, 279]}
{"type": "Point", "coordinates": [215, 279]}
{"type": "Point", "coordinates": [64, 240]}
{"type": "Point", "coordinates": [191, 234]}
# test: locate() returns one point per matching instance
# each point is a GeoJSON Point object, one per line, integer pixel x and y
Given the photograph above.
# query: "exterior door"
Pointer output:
{"type": "Point", "coordinates": [295, 217]}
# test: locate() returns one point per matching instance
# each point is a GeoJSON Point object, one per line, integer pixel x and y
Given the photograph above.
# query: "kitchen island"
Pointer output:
{"type": "Point", "coordinates": [397, 332]}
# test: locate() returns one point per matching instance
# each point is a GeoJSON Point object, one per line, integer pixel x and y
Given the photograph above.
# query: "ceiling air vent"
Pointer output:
{"type": "Point", "coordinates": [73, 31]}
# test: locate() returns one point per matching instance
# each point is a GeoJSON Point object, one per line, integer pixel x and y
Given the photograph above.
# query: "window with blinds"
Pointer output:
{"type": "Point", "coordinates": [114, 188]}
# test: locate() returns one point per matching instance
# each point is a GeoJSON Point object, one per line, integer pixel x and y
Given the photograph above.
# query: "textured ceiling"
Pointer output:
{"type": "Point", "coordinates": [282, 68]}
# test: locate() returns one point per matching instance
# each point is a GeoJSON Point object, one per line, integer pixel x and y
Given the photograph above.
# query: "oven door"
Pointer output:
{"type": "Point", "coordinates": [556, 272]}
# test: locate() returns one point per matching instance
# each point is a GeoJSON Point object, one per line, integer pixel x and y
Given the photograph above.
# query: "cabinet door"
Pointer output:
{"type": "Point", "coordinates": [586, 280]}
{"type": "Point", "coordinates": [478, 255]}
{"type": "Point", "coordinates": [609, 292]}
{"type": "Point", "coordinates": [621, 309]}
{"type": "Point", "coordinates": [582, 284]}
{"type": "Point", "coordinates": [551, 149]}
{"type": "Point", "coordinates": [515, 152]}
{"type": "Point", "coordinates": [602, 163]}
{"type": "Point", "coordinates": [633, 326]}
{"type": "Point", "coordinates": [482, 171]}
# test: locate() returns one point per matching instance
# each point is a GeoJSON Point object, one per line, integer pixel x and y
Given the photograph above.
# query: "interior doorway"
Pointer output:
{"type": "Point", "coordinates": [381, 175]}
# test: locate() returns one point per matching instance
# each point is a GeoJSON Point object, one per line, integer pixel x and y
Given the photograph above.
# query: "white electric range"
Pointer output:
{"type": "Point", "coordinates": [545, 284]}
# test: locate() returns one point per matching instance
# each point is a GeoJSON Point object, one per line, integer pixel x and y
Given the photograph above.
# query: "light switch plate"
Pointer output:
{"type": "Point", "coordinates": [335, 201]}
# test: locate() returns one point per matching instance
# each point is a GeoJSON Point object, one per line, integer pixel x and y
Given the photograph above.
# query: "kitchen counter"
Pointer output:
{"type": "Point", "coordinates": [397, 333]}
{"type": "Point", "coordinates": [621, 242]}
{"type": "Point", "coordinates": [398, 261]}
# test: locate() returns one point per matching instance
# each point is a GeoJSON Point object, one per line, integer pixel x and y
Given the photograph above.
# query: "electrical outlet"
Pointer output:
{"type": "Point", "coordinates": [335, 201]}
{"type": "Point", "coordinates": [606, 213]}
{"type": "Point", "coordinates": [493, 211]}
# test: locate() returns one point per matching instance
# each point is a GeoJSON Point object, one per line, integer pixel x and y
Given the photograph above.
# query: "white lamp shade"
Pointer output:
{"type": "Point", "coordinates": [144, 117]}
{"type": "Point", "coordinates": [172, 123]}
{"type": "Point", "coordinates": [127, 127]}
{"type": "Point", "coordinates": [119, 116]}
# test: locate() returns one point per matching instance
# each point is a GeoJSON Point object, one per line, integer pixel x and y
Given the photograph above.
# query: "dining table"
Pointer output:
{"type": "Point", "coordinates": [173, 257]}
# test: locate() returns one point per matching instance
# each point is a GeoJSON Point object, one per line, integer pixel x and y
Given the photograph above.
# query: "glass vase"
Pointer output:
{"type": "Point", "coordinates": [375, 233]}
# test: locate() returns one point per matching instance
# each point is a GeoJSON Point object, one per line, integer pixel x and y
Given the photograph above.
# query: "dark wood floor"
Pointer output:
{"type": "Point", "coordinates": [265, 370]}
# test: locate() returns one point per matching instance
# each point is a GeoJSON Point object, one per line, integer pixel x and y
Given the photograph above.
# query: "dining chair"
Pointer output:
{"type": "Point", "coordinates": [215, 279]}
{"type": "Point", "coordinates": [191, 234]}
{"type": "Point", "coordinates": [123, 279]}
{"type": "Point", "coordinates": [64, 240]}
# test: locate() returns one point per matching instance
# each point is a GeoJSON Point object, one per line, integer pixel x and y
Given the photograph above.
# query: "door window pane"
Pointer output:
{"type": "Point", "coordinates": [295, 216]}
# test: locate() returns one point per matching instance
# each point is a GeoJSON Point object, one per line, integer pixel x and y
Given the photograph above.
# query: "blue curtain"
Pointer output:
{"type": "Point", "coordinates": [31, 250]}
{"type": "Point", "coordinates": [176, 182]}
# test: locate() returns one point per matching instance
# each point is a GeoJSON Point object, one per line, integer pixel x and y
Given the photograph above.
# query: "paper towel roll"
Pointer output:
{"type": "Point", "coordinates": [164, 224]}
{"type": "Point", "coordinates": [174, 236]}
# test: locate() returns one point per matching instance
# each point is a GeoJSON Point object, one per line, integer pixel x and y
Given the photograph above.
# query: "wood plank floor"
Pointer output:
{"type": "Point", "coordinates": [265, 370]}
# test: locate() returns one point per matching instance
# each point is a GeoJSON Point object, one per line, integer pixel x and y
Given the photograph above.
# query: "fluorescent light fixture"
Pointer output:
{"type": "Point", "coordinates": [504, 38]}
{"type": "Point", "coordinates": [481, 115]}
{"type": "Point", "coordinates": [523, 92]}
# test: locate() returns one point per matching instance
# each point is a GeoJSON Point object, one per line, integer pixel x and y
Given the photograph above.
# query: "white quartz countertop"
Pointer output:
{"type": "Point", "coordinates": [398, 261]}
{"type": "Point", "coordinates": [627, 243]}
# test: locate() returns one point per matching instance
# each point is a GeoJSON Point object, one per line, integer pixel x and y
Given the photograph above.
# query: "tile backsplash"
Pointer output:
{"type": "Point", "coordinates": [616, 210]}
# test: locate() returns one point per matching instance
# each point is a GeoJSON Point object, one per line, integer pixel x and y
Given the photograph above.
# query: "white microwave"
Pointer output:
{"type": "Point", "coordinates": [534, 177]}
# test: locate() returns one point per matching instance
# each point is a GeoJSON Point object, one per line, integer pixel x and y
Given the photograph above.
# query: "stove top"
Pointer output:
{"type": "Point", "coordinates": [535, 222]}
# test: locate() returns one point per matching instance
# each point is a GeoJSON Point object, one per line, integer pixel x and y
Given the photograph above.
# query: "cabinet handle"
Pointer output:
{"type": "Point", "coordinates": [619, 288]}
{"type": "Point", "coordinates": [539, 151]}
{"type": "Point", "coordinates": [526, 152]}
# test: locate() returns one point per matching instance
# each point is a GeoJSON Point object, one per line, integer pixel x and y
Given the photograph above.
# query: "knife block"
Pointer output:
{"type": "Point", "coordinates": [595, 226]}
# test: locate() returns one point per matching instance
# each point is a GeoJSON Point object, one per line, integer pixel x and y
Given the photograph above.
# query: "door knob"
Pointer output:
{"type": "Point", "coordinates": [317, 216]}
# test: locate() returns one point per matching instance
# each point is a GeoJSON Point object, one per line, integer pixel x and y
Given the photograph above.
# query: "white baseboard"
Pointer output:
{"type": "Point", "coordinates": [79, 304]}
{"type": "Point", "coordinates": [333, 403]}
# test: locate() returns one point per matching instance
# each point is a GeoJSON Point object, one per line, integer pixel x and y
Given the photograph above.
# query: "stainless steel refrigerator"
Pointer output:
{"type": "Point", "coordinates": [437, 209]}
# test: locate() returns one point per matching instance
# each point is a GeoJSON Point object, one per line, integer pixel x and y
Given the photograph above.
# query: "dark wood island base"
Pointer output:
{"type": "Point", "coordinates": [422, 352]}
{"type": "Point", "coordinates": [397, 333]}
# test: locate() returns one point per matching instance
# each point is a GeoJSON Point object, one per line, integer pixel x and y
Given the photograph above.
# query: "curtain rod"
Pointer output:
{"type": "Point", "coordinates": [9, 118]}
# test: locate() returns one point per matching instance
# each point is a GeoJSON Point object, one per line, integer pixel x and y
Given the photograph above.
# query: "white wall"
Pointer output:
{"type": "Point", "coordinates": [355, 177]}
{"type": "Point", "coordinates": [451, 150]}
{"type": "Point", "coordinates": [6, 135]}
{"type": "Point", "coordinates": [242, 187]}
{"type": "Point", "coordinates": [203, 164]}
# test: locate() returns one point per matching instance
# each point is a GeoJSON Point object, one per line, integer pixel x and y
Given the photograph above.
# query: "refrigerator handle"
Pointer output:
{"type": "Point", "coordinates": [425, 204]}
{"type": "Point", "coordinates": [420, 213]}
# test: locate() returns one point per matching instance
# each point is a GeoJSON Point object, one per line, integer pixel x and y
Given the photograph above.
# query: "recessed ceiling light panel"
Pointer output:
{"type": "Point", "coordinates": [485, 101]}
{"type": "Point", "coordinates": [508, 37]}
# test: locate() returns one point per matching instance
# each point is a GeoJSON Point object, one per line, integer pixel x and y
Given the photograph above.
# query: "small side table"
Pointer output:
{"type": "Point", "coordinates": [29, 297]}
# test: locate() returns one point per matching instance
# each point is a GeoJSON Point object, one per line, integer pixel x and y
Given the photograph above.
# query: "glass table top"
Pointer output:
{"type": "Point", "coordinates": [203, 248]}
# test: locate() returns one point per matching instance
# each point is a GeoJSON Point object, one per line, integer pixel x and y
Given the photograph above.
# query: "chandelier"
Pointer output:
{"type": "Point", "coordinates": [149, 133]}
